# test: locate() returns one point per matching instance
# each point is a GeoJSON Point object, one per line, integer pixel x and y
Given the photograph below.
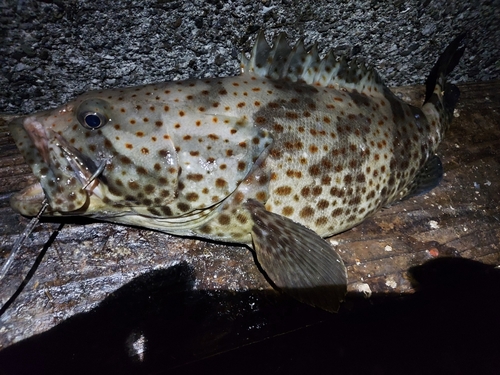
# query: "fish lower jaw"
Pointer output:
{"type": "Point", "coordinates": [29, 200]}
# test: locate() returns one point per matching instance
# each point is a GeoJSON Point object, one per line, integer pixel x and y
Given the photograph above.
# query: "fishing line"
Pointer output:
{"type": "Point", "coordinates": [18, 243]}
{"type": "Point", "coordinates": [15, 250]}
{"type": "Point", "coordinates": [27, 231]}
{"type": "Point", "coordinates": [32, 270]}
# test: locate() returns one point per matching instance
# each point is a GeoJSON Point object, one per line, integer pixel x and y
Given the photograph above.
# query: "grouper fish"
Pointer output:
{"type": "Point", "coordinates": [294, 149]}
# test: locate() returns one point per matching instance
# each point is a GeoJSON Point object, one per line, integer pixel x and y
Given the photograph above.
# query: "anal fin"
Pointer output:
{"type": "Point", "coordinates": [427, 178]}
{"type": "Point", "coordinates": [297, 260]}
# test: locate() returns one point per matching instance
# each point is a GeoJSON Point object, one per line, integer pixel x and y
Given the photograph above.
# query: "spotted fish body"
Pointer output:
{"type": "Point", "coordinates": [294, 149]}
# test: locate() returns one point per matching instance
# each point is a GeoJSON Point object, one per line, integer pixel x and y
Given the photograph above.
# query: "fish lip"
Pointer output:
{"type": "Point", "coordinates": [38, 135]}
{"type": "Point", "coordinates": [32, 193]}
{"type": "Point", "coordinates": [29, 200]}
{"type": "Point", "coordinates": [30, 197]}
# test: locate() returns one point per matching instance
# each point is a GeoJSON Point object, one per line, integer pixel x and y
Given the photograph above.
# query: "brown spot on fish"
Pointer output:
{"type": "Point", "coordinates": [184, 207]}
{"type": "Point", "coordinates": [125, 160]}
{"type": "Point", "coordinates": [213, 137]}
{"type": "Point", "coordinates": [220, 183]}
{"type": "Point", "coordinates": [242, 218]}
{"type": "Point", "coordinates": [241, 165]}
{"type": "Point", "coordinates": [321, 221]}
{"type": "Point", "coordinates": [337, 212]}
{"type": "Point", "coordinates": [134, 185]}
{"type": "Point", "coordinates": [283, 190]}
{"type": "Point", "coordinates": [322, 204]}
{"type": "Point", "coordinates": [260, 120]}
{"type": "Point", "coordinates": [141, 171]}
{"type": "Point", "coordinates": [314, 170]}
{"type": "Point", "coordinates": [192, 197]}
{"type": "Point", "coordinates": [306, 212]}
{"type": "Point", "coordinates": [316, 191]}
{"type": "Point", "coordinates": [224, 219]}
{"type": "Point", "coordinates": [261, 196]}
{"type": "Point", "coordinates": [149, 189]}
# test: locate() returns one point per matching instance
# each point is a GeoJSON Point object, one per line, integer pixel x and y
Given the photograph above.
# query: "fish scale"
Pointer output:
{"type": "Point", "coordinates": [294, 149]}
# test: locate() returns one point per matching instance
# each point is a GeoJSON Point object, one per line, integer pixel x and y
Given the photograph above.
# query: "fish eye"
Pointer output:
{"type": "Point", "coordinates": [92, 113]}
{"type": "Point", "coordinates": [93, 120]}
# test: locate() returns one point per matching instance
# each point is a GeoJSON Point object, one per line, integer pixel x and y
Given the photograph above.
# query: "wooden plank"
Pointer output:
{"type": "Point", "coordinates": [102, 266]}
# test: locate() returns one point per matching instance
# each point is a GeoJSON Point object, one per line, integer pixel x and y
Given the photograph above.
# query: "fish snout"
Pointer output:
{"type": "Point", "coordinates": [53, 165]}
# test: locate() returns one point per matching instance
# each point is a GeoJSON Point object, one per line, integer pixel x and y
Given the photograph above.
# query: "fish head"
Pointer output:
{"type": "Point", "coordinates": [129, 152]}
{"type": "Point", "coordinates": [89, 156]}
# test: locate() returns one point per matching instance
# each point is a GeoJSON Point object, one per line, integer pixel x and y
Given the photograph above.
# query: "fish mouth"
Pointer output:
{"type": "Point", "coordinates": [28, 199]}
{"type": "Point", "coordinates": [64, 174]}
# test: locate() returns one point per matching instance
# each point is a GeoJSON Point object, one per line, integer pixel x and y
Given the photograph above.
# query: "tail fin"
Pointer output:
{"type": "Point", "coordinates": [445, 95]}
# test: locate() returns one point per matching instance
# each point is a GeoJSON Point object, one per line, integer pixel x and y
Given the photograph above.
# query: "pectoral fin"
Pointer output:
{"type": "Point", "coordinates": [297, 260]}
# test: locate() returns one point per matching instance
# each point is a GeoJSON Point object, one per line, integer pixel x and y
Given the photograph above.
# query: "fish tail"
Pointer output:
{"type": "Point", "coordinates": [439, 93]}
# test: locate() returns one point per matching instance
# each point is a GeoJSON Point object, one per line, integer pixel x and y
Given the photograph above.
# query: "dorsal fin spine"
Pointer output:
{"type": "Point", "coordinates": [279, 54]}
{"type": "Point", "coordinates": [296, 64]}
{"type": "Point", "coordinates": [260, 52]}
{"type": "Point", "coordinates": [298, 59]}
{"type": "Point", "coordinates": [314, 65]}
{"type": "Point", "coordinates": [297, 55]}
{"type": "Point", "coordinates": [327, 69]}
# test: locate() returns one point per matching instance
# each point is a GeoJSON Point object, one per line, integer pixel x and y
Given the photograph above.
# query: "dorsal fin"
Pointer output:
{"type": "Point", "coordinates": [298, 64]}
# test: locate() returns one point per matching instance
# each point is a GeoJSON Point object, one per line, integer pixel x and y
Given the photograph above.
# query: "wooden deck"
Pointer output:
{"type": "Point", "coordinates": [129, 299]}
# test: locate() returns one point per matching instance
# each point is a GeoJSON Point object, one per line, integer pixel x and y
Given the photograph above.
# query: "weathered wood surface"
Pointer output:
{"type": "Point", "coordinates": [190, 299]}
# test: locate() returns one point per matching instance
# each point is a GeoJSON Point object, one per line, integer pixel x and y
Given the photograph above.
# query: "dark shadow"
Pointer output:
{"type": "Point", "coordinates": [450, 325]}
